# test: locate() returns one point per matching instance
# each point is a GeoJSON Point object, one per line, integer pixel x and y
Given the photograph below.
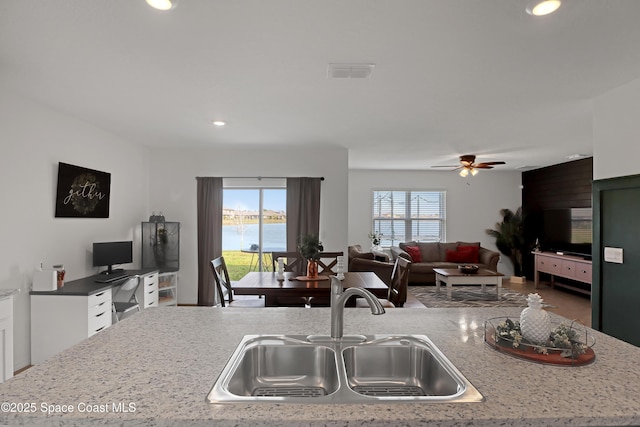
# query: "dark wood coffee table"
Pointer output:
{"type": "Point", "coordinates": [452, 276]}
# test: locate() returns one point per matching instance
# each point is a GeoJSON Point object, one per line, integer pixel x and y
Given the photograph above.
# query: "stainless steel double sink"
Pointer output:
{"type": "Point", "coordinates": [353, 369]}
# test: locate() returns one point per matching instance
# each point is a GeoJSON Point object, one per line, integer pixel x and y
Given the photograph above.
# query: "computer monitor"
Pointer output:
{"type": "Point", "coordinates": [112, 253]}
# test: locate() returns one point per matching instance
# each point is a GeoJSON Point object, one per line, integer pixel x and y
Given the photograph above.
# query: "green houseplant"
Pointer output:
{"type": "Point", "coordinates": [510, 237]}
{"type": "Point", "coordinates": [310, 248]}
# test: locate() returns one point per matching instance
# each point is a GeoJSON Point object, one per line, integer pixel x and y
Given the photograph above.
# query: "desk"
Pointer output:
{"type": "Point", "coordinates": [265, 283]}
{"type": "Point", "coordinates": [79, 310]}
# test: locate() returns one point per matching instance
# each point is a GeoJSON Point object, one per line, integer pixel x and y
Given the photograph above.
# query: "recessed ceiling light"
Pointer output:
{"type": "Point", "coordinates": [543, 7]}
{"type": "Point", "coordinates": [218, 123]}
{"type": "Point", "coordinates": [162, 4]}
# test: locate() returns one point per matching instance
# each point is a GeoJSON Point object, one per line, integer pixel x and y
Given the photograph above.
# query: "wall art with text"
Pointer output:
{"type": "Point", "coordinates": [82, 192]}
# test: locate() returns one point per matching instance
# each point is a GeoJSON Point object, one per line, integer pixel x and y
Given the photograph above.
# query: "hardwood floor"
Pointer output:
{"type": "Point", "coordinates": [567, 303]}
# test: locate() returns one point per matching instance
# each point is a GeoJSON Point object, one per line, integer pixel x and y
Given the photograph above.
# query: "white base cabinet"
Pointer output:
{"type": "Point", "coordinates": [147, 293]}
{"type": "Point", "coordinates": [60, 321]}
{"type": "Point", "coordinates": [6, 338]}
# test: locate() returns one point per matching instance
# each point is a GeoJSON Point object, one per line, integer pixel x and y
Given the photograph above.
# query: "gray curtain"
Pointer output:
{"type": "Point", "coordinates": [303, 209]}
{"type": "Point", "coordinates": [209, 235]}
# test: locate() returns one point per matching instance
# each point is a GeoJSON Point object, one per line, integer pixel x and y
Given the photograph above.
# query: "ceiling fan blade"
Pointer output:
{"type": "Point", "coordinates": [482, 166]}
{"type": "Point", "coordinates": [492, 163]}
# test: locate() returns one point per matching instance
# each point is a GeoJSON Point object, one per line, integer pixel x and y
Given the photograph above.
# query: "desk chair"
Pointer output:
{"type": "Point", "coordinates": [124, 300]}
{"type": "Point", "coordinates": [397, 295]}
{"type": "Point", "coordinates": [225, 290]}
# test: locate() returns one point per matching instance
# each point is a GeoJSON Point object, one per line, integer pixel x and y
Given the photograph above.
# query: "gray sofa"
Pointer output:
{"type": "Point", "coordinates": [435, 255]}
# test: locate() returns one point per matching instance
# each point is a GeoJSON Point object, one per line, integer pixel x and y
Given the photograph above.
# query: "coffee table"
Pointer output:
{"type": "Point", "coordinates": [452, 276]}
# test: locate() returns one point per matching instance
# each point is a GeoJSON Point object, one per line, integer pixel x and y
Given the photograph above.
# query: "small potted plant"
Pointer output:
{"type": "Point", "coordinates": [310, 248]}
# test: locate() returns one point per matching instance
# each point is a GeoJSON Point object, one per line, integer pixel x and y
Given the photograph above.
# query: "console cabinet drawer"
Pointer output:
{"type": "Point", "coordinates": [568, 269]}
{"type": "Point", "coordinates": [583, 272]}
{"type": "Point", "coordinates": [549, 265]}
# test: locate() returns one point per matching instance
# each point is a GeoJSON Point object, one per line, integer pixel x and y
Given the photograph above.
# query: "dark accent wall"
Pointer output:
{"type": "Point", "coordinates": [566, 185]}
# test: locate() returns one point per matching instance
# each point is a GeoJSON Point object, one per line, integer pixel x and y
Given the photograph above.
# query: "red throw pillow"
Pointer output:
{"type": "Point", "coordinates": [469, 253]}
{"type": "Point", "coordinates": [453, 256]}
{"type": "Point", "coordinates": [414, 253]}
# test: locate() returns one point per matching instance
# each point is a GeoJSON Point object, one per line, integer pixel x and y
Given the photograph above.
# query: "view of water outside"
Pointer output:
{"type": "Point", "coordinates": [240, 229]}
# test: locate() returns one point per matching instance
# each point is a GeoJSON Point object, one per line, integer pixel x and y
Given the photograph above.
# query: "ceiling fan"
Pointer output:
{"type": "Point", "coordinates": [468, 165]}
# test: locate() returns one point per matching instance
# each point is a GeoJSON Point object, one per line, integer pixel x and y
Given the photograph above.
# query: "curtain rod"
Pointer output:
{"type": "Point", "coordinates": [267, 177]}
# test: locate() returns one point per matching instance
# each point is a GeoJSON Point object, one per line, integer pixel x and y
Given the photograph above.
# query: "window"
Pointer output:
{"type": "Point", "coordinates": [254, 223]}
{"type": "Point", "coordinates": [402, 216]}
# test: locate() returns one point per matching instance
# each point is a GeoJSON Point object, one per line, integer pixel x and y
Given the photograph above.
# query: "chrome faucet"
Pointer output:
{"type": "Point", "coordinates": [338, 300]}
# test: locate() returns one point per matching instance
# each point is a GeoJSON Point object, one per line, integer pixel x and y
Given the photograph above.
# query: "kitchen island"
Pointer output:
{"type": "Point", "coordinates": [156, 368]}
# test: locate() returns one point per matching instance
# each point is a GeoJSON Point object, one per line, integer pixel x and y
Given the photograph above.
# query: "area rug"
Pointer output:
{"type": "Point", "coordinates": [467, 296]}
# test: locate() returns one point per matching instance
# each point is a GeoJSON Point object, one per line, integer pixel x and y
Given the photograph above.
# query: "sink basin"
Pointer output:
{"type": "Point", "coordinates": [362, 369]}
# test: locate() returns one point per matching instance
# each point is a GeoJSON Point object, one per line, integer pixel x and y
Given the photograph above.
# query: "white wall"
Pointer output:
{"type": "Point", "coordinates": [34, 139]}
{"type": "Point", "coordinates": [473, 203]}
{"type": "Point", "coordinates": [616, 132]}
{"type": "Point", "coordinates": [173, 191]}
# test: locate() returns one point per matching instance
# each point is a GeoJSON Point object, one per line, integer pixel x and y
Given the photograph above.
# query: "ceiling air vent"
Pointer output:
{"type": "Point", "coordinates": [350, 71]}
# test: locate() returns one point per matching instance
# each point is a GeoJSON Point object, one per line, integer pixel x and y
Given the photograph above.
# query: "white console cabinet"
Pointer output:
{"type": "Point", "coordinates": [168, 288]}
{"type": "Point", "coordinates": [6, 337]}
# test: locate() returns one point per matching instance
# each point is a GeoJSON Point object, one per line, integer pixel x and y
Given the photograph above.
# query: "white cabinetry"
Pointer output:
{"type": "Point", "coordinates": [147, 293]}
{"type": "Point", "coordinates": [6, 337]}
{"type": "Point", "coordinates": [168, 288]}
{"type": "Point", "coordinates": [60, 321]}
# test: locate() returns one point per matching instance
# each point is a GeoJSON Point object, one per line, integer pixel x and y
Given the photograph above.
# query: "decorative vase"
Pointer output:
{"type": "Point", "coordinates": [312, 268]}
{"type": "Point", "coordinates": [534, 321]}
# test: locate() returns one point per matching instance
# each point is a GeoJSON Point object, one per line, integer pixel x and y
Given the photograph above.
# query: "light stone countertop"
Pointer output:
{"type": "Point", "coordinates": [164, 361]}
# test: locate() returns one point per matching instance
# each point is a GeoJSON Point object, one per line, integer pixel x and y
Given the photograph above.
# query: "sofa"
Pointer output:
{"type": "Point", "coordinates": [360, 260]}
{"type": "Point", "coordinates": [425, 256]}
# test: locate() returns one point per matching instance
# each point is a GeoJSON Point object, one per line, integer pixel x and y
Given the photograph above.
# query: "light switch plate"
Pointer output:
{"type": "Point", "coordinates": [613, 255]}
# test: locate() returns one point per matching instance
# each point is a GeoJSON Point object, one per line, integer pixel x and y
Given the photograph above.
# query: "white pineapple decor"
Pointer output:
{"type": "Point", "coordinates": [535, 324]}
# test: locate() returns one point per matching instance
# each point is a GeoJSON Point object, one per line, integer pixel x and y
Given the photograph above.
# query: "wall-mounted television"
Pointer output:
{"type": "Point", "coordinates": [108, 254]}
{"type": "Point", "coordinates": [568, 230]}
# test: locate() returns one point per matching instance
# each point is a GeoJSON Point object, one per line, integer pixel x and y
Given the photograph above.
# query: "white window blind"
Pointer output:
{"type": "Point", "coordinates": [402, 216]}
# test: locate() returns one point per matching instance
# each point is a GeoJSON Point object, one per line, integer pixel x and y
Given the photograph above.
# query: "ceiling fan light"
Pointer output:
{"type": "Point", "coordinates": [543, 7]}
{"type": "Point", "coordinates": [474, 172]}
{"type": "Point", "coordinates": [162, 4]}
{"type": "Point", "coordinates": [464, 172]}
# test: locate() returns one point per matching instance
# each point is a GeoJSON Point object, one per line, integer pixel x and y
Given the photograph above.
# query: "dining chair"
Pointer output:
{"type": "Point", "coordinates": [293, 262]}
{"type": "Point", "coordinates": [397, 294]}
{"type": "Point", "coordinates": [225, 289]}
{"type": "Point", "coordinates": [124, 300]}
{"type": "Point", "coordinates": [328, 262]}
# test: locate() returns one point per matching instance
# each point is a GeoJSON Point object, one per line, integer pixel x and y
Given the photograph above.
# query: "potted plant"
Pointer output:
{"type": "Point", "coordinates": [510, 238]}
{"type": "Point", "coordinates": [310, 248]}
{"type": "Point", "coordinates": [376, 239]}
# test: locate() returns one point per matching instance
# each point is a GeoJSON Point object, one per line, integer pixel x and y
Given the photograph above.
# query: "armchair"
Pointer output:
{"type": "Point", "coordinates": [365, 261]}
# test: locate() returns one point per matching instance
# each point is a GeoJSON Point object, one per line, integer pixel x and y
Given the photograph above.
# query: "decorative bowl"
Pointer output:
{"type": "Point", "coordinates": [468, 268]}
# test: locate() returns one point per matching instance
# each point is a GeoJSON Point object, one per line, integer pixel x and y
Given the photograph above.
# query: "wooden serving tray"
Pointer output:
{"type": "Point", "coordinates": [311, 279]}
{"type": "Point", "coordinates": [529, 353]}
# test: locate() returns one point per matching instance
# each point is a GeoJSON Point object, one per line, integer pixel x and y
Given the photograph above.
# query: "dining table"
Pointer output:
{"type": "Point", "coordinates": [293, 285]}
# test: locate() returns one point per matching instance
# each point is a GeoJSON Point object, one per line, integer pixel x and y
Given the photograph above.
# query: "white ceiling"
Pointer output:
{"type": "Point", "coordinates": [452, 77]}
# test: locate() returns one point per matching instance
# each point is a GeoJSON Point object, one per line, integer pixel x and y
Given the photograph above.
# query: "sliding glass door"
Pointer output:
{"type": "Point", "coordinates": [254, 225]}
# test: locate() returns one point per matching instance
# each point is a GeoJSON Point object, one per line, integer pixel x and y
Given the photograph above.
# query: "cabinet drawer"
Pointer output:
{"type": "Point", "coordinates": [100, 308]}
{"type": "Point", "coordinates": [151, 298]}
{"type": "Point", "coordinates": [548, 265]}
{"type": "Point", "coordinates": [98, 298]}
{"type": "Point", "coordinates": [99, 321]}
{"type": "Point", "coordinates": [568, 269]}
{"type": "Point", "coordinates": [583, 272]}
{"type": "Point", "coordinates": [151, 280]}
